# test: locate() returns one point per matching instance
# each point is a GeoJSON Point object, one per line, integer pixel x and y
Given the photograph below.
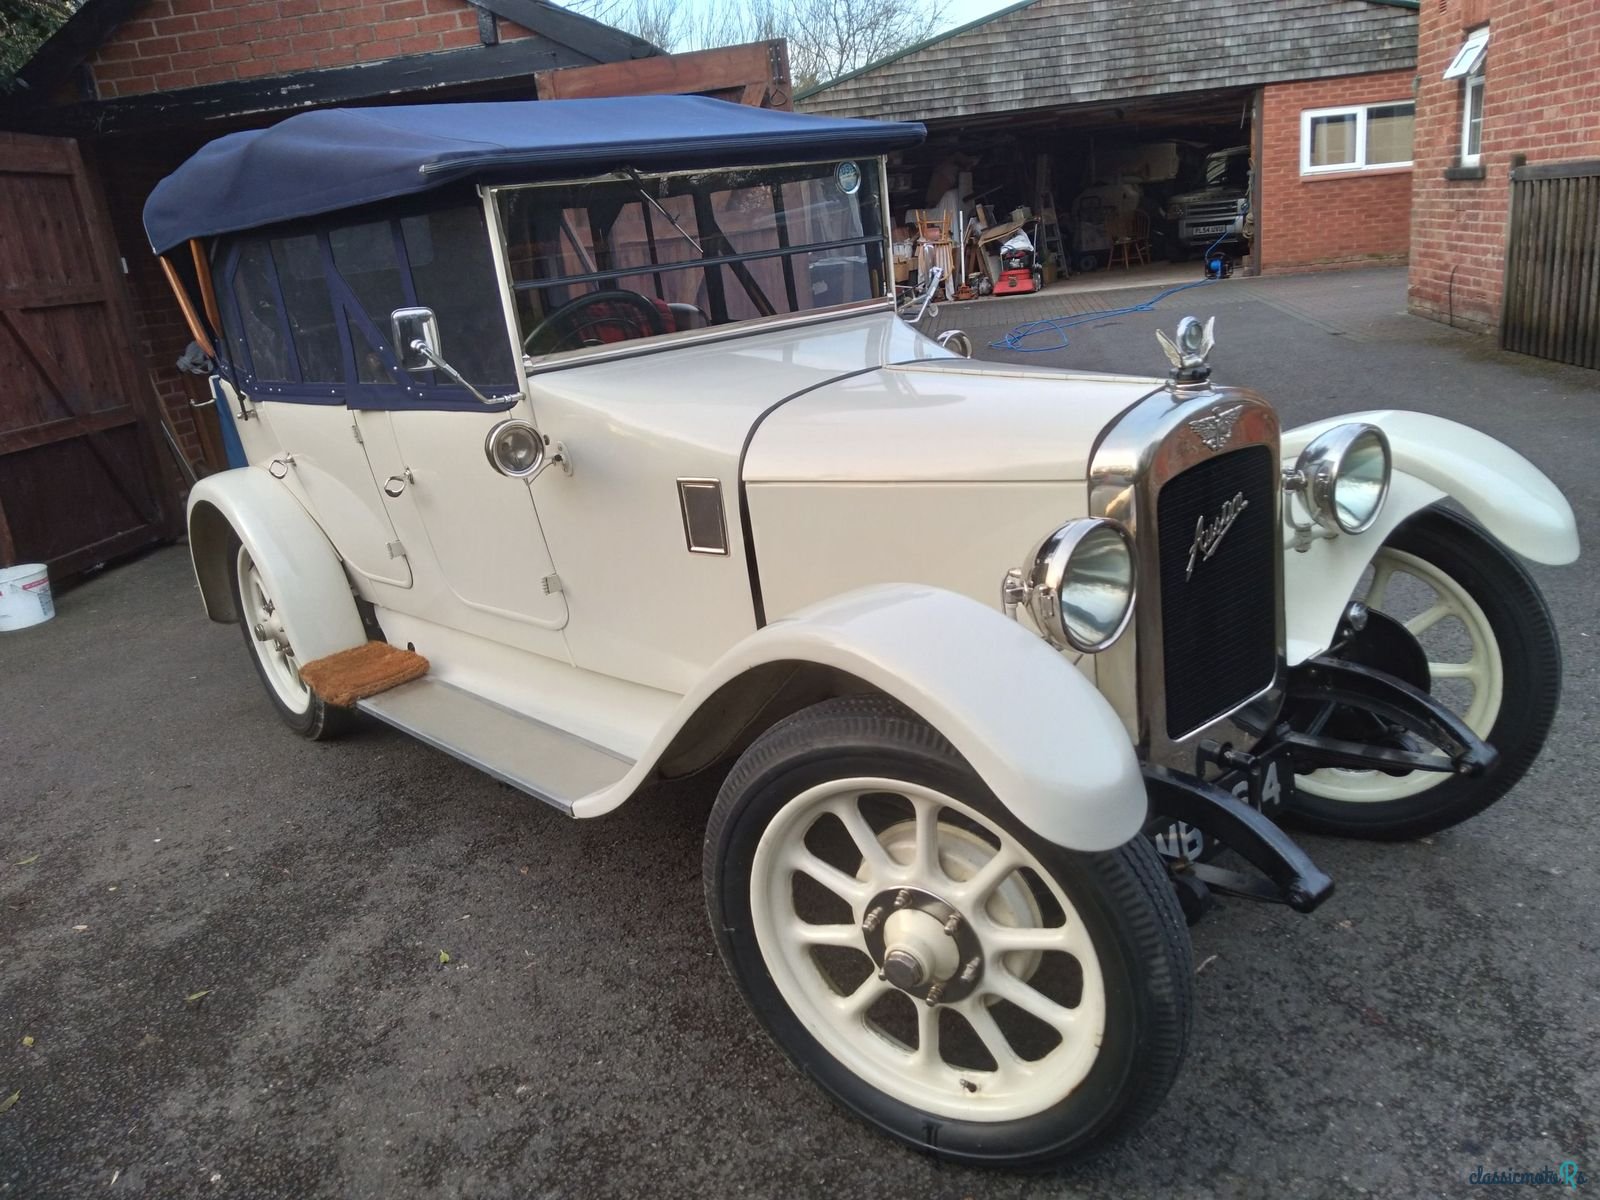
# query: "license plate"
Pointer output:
{"type": "Point", "coordinates": [1207, 230]}
{"type": "Point", "coordinates": [1264, 786]}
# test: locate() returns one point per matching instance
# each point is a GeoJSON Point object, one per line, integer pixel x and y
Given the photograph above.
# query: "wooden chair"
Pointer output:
{"type": "Point", "coordinates": [936, 249]}
{"type": "Point", "coordinates": [1130, 238]}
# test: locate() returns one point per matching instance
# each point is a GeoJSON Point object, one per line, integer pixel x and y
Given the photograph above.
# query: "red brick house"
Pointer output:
{"type": "Point", "coordinates": [1508, 128]}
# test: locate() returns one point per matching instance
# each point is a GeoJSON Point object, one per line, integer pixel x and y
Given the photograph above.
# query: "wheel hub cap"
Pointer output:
{"type": "Point", "coordinates": [922, 945]}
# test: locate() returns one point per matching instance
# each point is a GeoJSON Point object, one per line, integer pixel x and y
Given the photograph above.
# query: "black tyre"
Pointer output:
{"type": "Point", "coordinates": [1493, 657]}
{"type": "Point", "coordinates": [276, 664]}
{"type": "Point", "coordinates": [939, 970]}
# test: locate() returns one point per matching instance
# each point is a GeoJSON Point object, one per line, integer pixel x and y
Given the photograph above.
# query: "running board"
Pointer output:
{"type": "Point", "coordinates": [541, 760]}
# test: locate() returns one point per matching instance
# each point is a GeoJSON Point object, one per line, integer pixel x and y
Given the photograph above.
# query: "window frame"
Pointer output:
{"type": "Point", "coordinates": [1469, 84]}
{"type": "Point", "coordinates": [1362, 113]}
{"type": "Point", "coordinates": [529, 365]}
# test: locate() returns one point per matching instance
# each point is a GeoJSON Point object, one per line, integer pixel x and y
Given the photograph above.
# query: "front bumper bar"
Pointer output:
{"type": "Point", "coordinates": [1419, 734]}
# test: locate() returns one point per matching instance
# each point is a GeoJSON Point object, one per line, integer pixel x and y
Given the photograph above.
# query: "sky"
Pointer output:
{"type": "Point", "coordinates": [962, 11]}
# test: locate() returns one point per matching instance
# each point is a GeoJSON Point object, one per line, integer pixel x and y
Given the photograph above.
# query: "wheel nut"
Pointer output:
{"type": "Point", "coordinates": [902, 898]}
{"type": "Point", "coordinates": [870, 921]}
{"type": "Point", "coordinates": [260, 631]}
{"type": "Point", "coordinates": [953, 924]}
{"type": "Point", "coordinates": [970, 971]}
{"type": "Point", "coordinates": [903, 969]}
{"type": "Point", "coordinates": [936, 991]}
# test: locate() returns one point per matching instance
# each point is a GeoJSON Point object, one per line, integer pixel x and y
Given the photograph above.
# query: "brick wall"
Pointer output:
{"type": "Point", "coordinates": [172, 44]}
{"type": "Point", "coordinates": [1541, 99]}
{"type": "Point", "coordinates": [1341, 219]}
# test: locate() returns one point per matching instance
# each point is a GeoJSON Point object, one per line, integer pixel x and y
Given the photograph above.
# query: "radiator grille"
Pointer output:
{"type": "Point", "coordinates": [1219, 625]}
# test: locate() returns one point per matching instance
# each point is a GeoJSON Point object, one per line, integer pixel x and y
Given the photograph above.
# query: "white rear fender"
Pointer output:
{"type": "Point", "coordinates": [1433, 458]}
{"type": "Point", "coordinates": [1032, 726]}
{"type": "Point", "coordinates": [299, 565]}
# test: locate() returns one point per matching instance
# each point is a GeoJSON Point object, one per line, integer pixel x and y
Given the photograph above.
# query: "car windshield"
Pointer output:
{"type": "Point", "coordinates": [1228, 168]}
{"type": "Point", "coordinates": [634, 256]}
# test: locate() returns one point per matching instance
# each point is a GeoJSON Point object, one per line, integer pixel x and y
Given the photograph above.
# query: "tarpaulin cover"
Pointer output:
{"type": "Point", "coordinates": [337, 158]}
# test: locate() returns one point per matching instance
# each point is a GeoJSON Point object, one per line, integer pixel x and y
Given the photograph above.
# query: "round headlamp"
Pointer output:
{"type": "Point", "coordinates": [1344, 476]}
{"type": "Point", "coordinates": [1080, 587]}
{"type": "Point", "coordinates": [515, 448]}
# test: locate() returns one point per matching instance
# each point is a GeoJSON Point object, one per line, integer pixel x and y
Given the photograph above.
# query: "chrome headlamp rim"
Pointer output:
{"type": "Point", "coordinates": [492, 443]}
{"type": "Point", "coordinates": [1048, 574]}
{"type": "Point", "coordinates": [1322, 465]}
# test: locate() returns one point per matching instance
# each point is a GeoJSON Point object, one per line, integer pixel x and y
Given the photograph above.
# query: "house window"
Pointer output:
{"type": "Point", "coordinates": [1472, 121]}
{"type": "Point", "coordinates": [1467, 66]}
{"type": "Point", "coordinates": [1356, 138]}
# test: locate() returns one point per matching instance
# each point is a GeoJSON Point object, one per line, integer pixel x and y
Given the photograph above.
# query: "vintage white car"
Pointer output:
{"type": "Point", "coordinates": [585, 443]}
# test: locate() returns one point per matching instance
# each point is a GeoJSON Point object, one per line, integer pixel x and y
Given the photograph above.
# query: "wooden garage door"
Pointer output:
{"type": "Point", "coordinates": [79, 478]}
{"type": "Point", "coordinates": [1552, 290]}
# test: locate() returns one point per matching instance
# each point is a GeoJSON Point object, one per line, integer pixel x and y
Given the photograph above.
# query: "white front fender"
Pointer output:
{"type": "Point", "coordinates": [298, 563]}
{"type": "Point", "coordinates": [1433, 458]}
{"type": "Point", "coordinates": [1032, 726]}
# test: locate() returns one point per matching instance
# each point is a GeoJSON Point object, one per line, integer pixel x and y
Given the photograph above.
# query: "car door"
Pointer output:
{"type": "Point", "coordinates": [425, 436]}
{"type": "Point", "coordinates": [284, 351]}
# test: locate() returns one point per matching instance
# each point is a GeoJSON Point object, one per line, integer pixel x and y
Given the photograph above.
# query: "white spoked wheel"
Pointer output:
{"type": "Point", "coordinates": [962, 984]}
{"type": "Point", "coordinates": [261, 620]}
{"type": "Point", "coordinates": [943, 924]}
{"type": "Point", "coordinates": [264, 625]}
{"type": "Point", "coordinates": [1456, 600]}
{"type": "Point", "coordinates": [1464, 661]}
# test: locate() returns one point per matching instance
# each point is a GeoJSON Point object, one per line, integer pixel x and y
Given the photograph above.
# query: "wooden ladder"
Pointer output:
{"type": "Point", "coordinates": [1052, 246]}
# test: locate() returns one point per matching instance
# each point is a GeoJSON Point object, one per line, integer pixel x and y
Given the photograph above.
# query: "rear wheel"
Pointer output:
{"type": "Point", "coordinates": [261, 620]}
{"type": "Point", "coordinates": [1492, 655]}
{"type": "Point", "coordinates": [941, 971]}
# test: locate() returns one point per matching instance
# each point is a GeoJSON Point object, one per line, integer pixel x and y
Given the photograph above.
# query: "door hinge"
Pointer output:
{"type": "Point", "coordinates": [396, 549]}
{"type": "Point", "coordinates": [551, 584]}
{"type": "Point", "coordinates": [356, 430]}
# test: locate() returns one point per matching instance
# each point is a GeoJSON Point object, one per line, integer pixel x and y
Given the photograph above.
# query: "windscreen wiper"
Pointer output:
{"type": "Point", "coordinates": [638, 186]}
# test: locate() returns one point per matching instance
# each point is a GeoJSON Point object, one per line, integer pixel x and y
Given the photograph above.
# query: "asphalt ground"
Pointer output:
{"type": "Point", "coordinates": [162, 837]}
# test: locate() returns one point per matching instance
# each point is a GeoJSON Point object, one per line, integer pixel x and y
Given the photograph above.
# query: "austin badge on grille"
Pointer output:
{"type": "Point", "coordinates": [1208, 535]}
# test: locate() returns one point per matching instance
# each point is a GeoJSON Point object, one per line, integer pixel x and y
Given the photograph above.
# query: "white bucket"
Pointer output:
{"type": "Point", "coordinates": [25, 596]}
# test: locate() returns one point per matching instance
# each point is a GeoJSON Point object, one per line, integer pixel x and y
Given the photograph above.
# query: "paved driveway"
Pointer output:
{"type": "Point", "coordinates": [161, 837]}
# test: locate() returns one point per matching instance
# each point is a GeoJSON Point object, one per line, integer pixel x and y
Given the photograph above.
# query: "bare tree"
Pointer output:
{"type": "Point", "coordinates": [826, 38]}
{"type": "Point", "coordinates": [24, 27]}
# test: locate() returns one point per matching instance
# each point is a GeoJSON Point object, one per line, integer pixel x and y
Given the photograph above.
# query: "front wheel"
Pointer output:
{"type": "Point", "coordinates": [942, 972]}
{"type": "Point", "coordinates": [1476, 620]}
{"type": "Point", "coordinates": [261, 620]}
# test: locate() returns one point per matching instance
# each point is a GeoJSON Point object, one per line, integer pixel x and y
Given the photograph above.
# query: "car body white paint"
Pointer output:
{"type": "Point", "coordinates": [1434, 458]}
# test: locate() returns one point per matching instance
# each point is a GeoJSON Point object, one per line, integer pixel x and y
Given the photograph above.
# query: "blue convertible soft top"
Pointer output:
{"type": "Point", "coordinates": [341, 157]}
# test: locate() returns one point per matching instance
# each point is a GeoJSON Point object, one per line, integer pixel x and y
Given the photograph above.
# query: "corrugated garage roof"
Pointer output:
{"type": "Point", "coordinates": [1049, 53]}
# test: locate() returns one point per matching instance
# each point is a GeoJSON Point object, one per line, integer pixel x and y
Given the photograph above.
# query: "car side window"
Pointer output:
{"type": "Point", "coordinates": [364, 255]}
{"type": "Point", "coordinates": [307, 310]}
{"type": "Point", "coordinates": [261, 329]}
{"type": "Point", "coordinates": [452, 272]}
{"type": "Point", "coordinates": [305, 301]}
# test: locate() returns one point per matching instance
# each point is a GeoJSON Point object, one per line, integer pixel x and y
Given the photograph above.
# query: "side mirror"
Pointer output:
{"type": "Point", "coordinates": [409, 326]}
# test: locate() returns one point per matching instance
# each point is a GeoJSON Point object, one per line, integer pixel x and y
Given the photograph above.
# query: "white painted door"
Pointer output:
{"type": "Point", "coordinates": [331, 470]}
{"type": "Point", "coordinates": [481, 526]}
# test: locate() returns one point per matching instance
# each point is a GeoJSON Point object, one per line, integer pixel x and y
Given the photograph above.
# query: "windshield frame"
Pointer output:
{"type": "Point", "coordinates": [529, 365]}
